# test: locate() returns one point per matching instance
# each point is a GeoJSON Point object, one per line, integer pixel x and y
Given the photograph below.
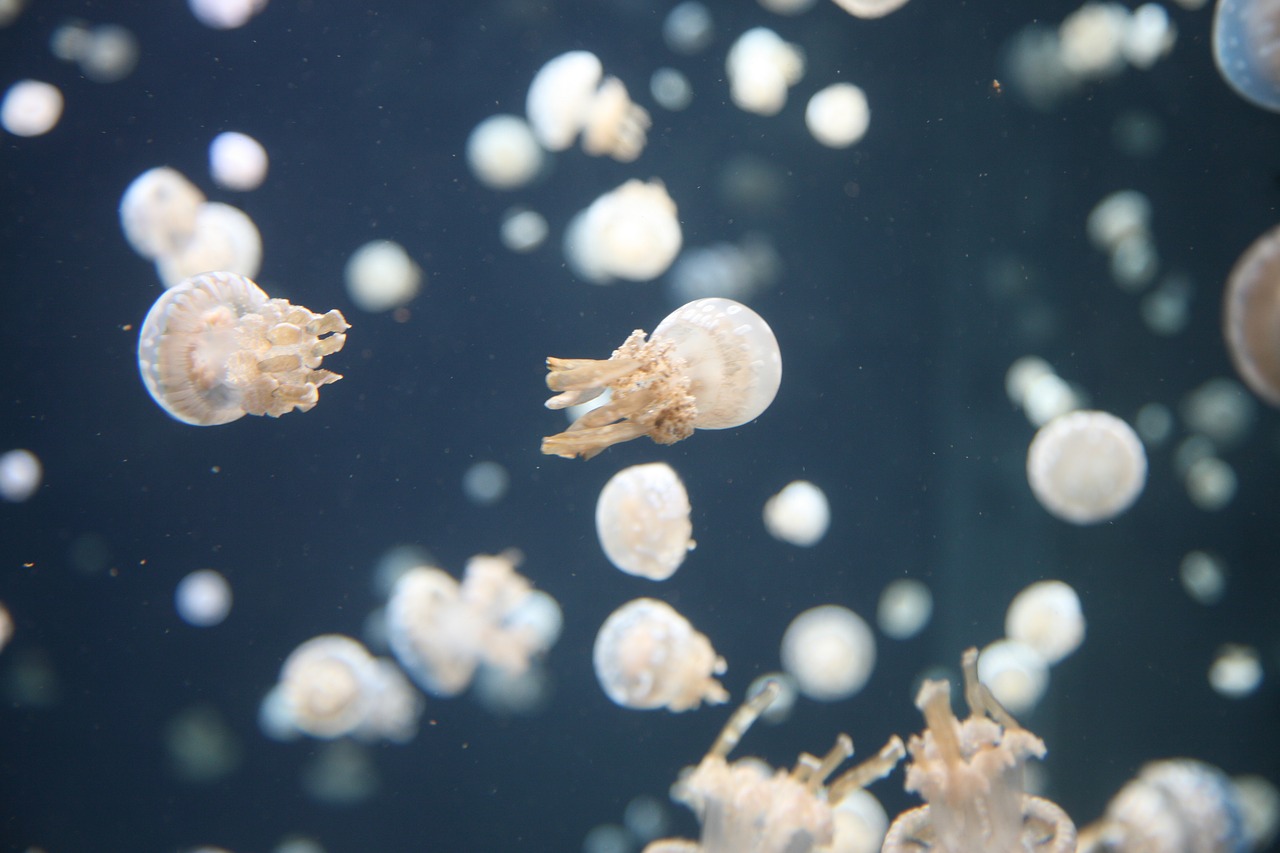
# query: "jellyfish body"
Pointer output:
{"type": "Point", "coordinates": [158, 212]}
{"type": "Point", "coordinates": [570, 96]}
{"type": "Point", "coordinates": [1046, 616]}
{"type": "Point", "coordinates": [1086, 466]}
{"type": "Point", "coordinates": [1251, 316]}
{"type": "Point", "coordinates": [215, 348]}
{"type": "Point", "coordinates": [1246, 37]}
{"type": "Point", "coordinates": [711, 364]}
{"type": "Point", "coordinates": [830, 652]}
{"type": "Point", "coordinates": [642, 519]}
{"type": "Point", "coordinates": [629, 233]}
{"type": "Point", "coordinates": [761, 67]}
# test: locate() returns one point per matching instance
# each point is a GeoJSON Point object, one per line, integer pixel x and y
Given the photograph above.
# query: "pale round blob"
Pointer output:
{"type": "Point", "coordinates": [200, 746]}
{"type": "Point", "coordinates": [1203, 576]}
{"type": "Point", "coordinates": [630, 233]}
{"type": "Point", "coordinates": [569, 95]}
{"type": "Point", "coordinates": [905, 608]}
{"type": "Point", "coordinates": [1119, 215]}
{"type": "Point", "coordinates": [225, 14]}
{"type": "Point", "coordinates": [69, 40]}
{"type": "Point", "coordinates": [215, 348]}
{"type": "Point", "coordinates": [799, 514]}
{"type": "Point", "coordinates": [1246, 35]}
{"type": "Point", "coordinates": [838, 116]}
{"type": "Point", "coordinates": [506, 694]}
{"type": "Point", "coordinates": [1221, 410]}
{"type": "Point", "coordinates": [1092, 40]}
{"type": "Point", "coordinates": [730, 270]}
{"type": "Point", "coordinates": [829, 651]}
{"type": "Point", "coordinates": [1016, 674]}
{"type": "Point", "coordinates": [1259, 803]}
{"type": "Point", "coordinates": [10, 10]}
{"type": "Point", "coordinates": [20, 475]}
{"type": "Point", "coordinates": [109, 53]}
{"type": "Point", "coordinates": [642, 520]}
{"type": "Point", "coordinates": [1167, 309]}
{"type": "Point", "coordinates": [225, 239]}
{"type": "Point", "coordinates": [485, 483]}
{"type": "Point", "coordinates": [671, 89]}
{"type": "Point", "coordinates": [326, 686]}
{"type": "Point", "coordinates": [646, 818]}
{"type": "Point", "coordinates": [1149, 36]}
{"type": "Point", "coordinates": [1049, 396]}
{"type": "Point", "coordinates": [1211, 483]}
{"type": "Point", "coordinates": [1236, 671]}
{"type": "Point", "coordinates": [31, 108]}
{"type": "Point", "coordinates": [1154, 424]}
{"type": "Point", "coordinates": [607, 838]}
{"type": "Point", "coordinates": [870, 8]}
{"type": "Point", "coordinates": [687, 28]}
{"type": "Point", "coordinates": [1134, 262]}
{"type": "Point", "coordinates": [1046, 617]}
{"type": "Point", "coordinates": [1251, 316]}
{"type": "Point", "coordinates": [503, 153]}
{"type": "Point", "coordinates": [779, 710]}
{"type": "Point", "coordinates": [380, 276]}
{"type": "Point", "coordinates": [341, 773]}
{"type": "Point", "coordinates": [1020, 376]}
{"type": "Point", "coordinates": [237, 161]}
{"type": "Point", "coordinates": [787, 7]}
{"type": "Point", "coordinates": [158, 212]}
{"type": "Point", "coordinates": [203, 598]}
{"type": "Point", "coordinates": [761, 67]}
{"type": "Point", "coordinates": [1086, 467]}
{"type": "Point", "coordinates": [523, 230]}
{"type": "Point", "coordinates": [6, 626]}
{"type": "Point", "coordinates": [647, 656]}
{"type": "Point", "coordinates": [860, 823]}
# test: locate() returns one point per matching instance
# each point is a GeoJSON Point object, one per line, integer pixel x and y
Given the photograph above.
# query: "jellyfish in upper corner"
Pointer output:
{"type": "Point", "coordinates": [215, 348]}
{"type": "Point", "coordinates": [711, 364]}
{"type": "Point", "coordinates": [570, 96]}
{"type": "Point", "coordinates": [1246, 35]}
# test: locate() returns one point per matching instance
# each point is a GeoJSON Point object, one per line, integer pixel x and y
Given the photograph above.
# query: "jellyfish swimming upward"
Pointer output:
{"type": "Point", "coordinates": [711, 364]}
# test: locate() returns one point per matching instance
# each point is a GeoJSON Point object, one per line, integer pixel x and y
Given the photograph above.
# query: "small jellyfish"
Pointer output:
{"type": "Point", "coordinates": [870, 8]}
{"type": "Point", "coordinates": [711, 364]}
{"type": "Point", "coordinates": [1016, 674]}
{"type": "Point", "coordinates": [904, 608]}
{"type": "Point", "coordinates": [215, 348]}
{"type": "Point", "coordinates": [203, 598]}
{"type": "Point", "coordinates": [648, 656]}
{"type": "Point", "coordinates": [225, 14]}
{"type": "Point", "coordinates": [523, 230]}
{"type": "Point", "coordinates": [838, 116]}
{"type": "Point", "coordinates": [224, 238]}
{"type": "Point", "coordinates": [1246, 35]}
{"type": "Point", "coordinates": [503, 153]}
{"type": "Point", "coordinates": [1236, 671]}
{"type": "Point", "coordinates": [158, 212]}
{"type": "Point", "coordinates": [630, 233]}
{"type": "Point", "coordinates": [761, 67]}
{"type": "Point", "coordinates": [380, 276]}
{"type": "Point", "coordinates": [20, 475]}
{"type": "Point", "coordinates": [688, 27]}
{"type": "Point", "coordinates": [799, 514]}
{"type": "Point", "coordinates": [237, 161]}
{"type": "Point", "coordinates": [1086, 466]}
{"type": "Point", "coordinates": [1046, 617]}
{"type": "Point", "coordinates": [31, 108]}
{"type": "Point", "coordinates": [829, 651]}
{"type": "Point", "coordinates": [642, 519]}
{"type": "Point", "coordinates": [568, 97]}
{"type": "Point", "coordinates": [1251, 316]}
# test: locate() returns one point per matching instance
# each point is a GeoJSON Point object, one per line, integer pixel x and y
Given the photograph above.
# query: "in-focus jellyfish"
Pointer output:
{"type": "Point", "coordinates": [648, 656]}
{"type": "Point", "coordinates": [642, 519]}
{"type": "Point", "coordinates": [1251, 316]}
{"type": "Point", "coordinates": [746, 805]}
{"type": "Point", "coordinates": [441, 631]}
{"type": "Point", "coordinates": [761, 67]}
{"type": "Point", "coordinates": [158, 212]}
{"type": "Point", "coordinates": [215, 348]}
{"type": "Point", "coordinates": [799, 514]}
{"type": "Point", "coordinates": [380, 276]}
{"type": "Point", "coordinates": [711, 364]}
{"type": "Point", "coordinates": [568, 97]}
{"type": "Point", "coordinates": [970, 774]}
{"type": "Point", "coordinates": [1086, 466]}
{"type": "Point", "coordinates": [31, 108]}
{"type": "Point", "coordinates": [630, 233]}
{"type": "Point", "coordinates": [1246, 44]}
{"type": "Point", "coordinates": [237, 161]}
{"type": "Point", "coordinates": [1046, 616]}
{"type": "Point", "coordinates": [203, 598]}
{"type": "Point", "coordinates": [829, 651]}
{"type": "Point", "coordinates": [838, 116]}
{"type": "Point", "coordinates": [503, 153]}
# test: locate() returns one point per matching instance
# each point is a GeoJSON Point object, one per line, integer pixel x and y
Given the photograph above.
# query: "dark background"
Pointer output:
{"type": "Point", "coordinates": [894, 342]}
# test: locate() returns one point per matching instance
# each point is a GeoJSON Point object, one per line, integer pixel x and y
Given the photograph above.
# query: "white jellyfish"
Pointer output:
{"type": "Point", "coordinates": [20, 475]}
{"type": "Point", "coordinates": [642, 519]}
{"type": "Point", "coordinates": [647, 656]}
{"type": "Point", "coordinates": [761, 67]}
{"type": "Point", "coordinates": [1046, 616]}
{"type": "Point", "coordinates": [503, 153]}
{"type": "Point", "coordinates": [630, 233]}
{"type": "Point", "coordinates": [485, 483]}
{"type": "Point", "coordinates": [215, 348]}
{"type": "Point", "coordinates": [829, 651]}
{"type": "Point", "coordinates": [1016, 674]}
{"type": "Point", "coordinates": [1236, 671]}
{"type": "Point", "coordinates": [237, 161]}
{"type": "Point", "coordinates": [380, 276]}
{"type": "Point", "coordinates": [570, 96]}
{"type": "Point", "coordinates": [838, 116]}
{"type": "Point", "coordinates": [688, 27]}
{"type": "Point", "coordinates": [523, 230]}
{"type": "Point", "coordinates": [31, 108]}
{"type": "Point", "coordinates": [1086, 466]}
{"type": "Point", "coordinates": [224, 238]}
{"type": "Point", "coordinates": [711, 364]}
{"type": "Point", "coordinates": [158, 212]}
{"type": "Point", "coordinates": [799, 514]}
{"type": "Point", "coordinates": [225, 14]}
{"type": "Point", "coordinates": [203, 598]}
{"type": "Point", "coordinates": [870, 8]}
{"type": "Point", "coordinates": [904, 608]}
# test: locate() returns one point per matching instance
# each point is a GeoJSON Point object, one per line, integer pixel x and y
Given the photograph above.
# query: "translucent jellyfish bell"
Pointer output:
{"type": "Point", "coordinates": [642, 519]}
{"type": "Point", "coordinates": [1251, 306]}
{"type": "Point", "coordinates": [158, 212]}
{"type": "Point", "coordinates": [761, 67]}
{"type": "Point", "coordinates": [568, 97]}
{"type": "Point", "coordinates": [829, 651]}
{"type": "Point", "coordinates": [1046, 616]}
{"type": "Point", "coordinates": [1086, 466]}
{"type": "Point", "coordinates": [1246, 35]}
{"type": "Point", "coordinates": [31, 108]}
{"type": "Point", "coordinates": [630, 233]}
{"type": "Point", "coordinates": [215, 348]}
{"type": "Point", "coordinates": [711, 364]}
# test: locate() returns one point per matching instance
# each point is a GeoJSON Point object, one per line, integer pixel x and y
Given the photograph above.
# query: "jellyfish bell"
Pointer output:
{"type": "Point", "coordinates": [761, 67]}
{"type": "Point", "coordinates": [642, 519]}
{"type": "Point", "coordinates": [503, 152]}
{"type": "Point", "coordinates": [630, 233]}
{"type": "Point", "coordinates": [570, 96]}
{"type": "Point", "coordinates": [237, 161]}
{"type": "Point", "coordinates": [1246, 34]}
{"type": "Point", "coordinates": [830, 652]}
{"type": "Point", "coordinates": [870, 8]}
{"type": "Point", "coordinates": [1086, 466]}
{"type": "Point", "coordinates": [215, 348]}
{"type": "Point", "coordinates": [158, 212]}
{"type": "Point", "coordinates": [31, 108]}
{"type": "Point", "coordinates": [1251, 316]}
{"type": "Point", "coordinates": [224, 238]}
{"type": "Point", "coordinates": [838, 116]}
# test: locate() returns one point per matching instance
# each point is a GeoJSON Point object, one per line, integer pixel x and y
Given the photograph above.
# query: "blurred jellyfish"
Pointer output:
{"type": "Point", "coordinates": [105, 52]}
{"type": "Point", "coordinates": [750, 184]}
{"type": "Point", "coordinates": [10, 10]}
{"type": "Point", "coordinates": [485, 483]}
{"type": "Point", "coordinates": [860, 823]}
{"type": "Point", "coordinates": [779, 710]}
{"type": "Point", "coordinates": [787, 7]}
{"type": "Point", "coordinates": [711, 364]}
{"type": "Point", "coordinates": [523, 230]}
{"type": "Point", "coordinates": [642, 520]}
{"type": "Point", "coordinates": [729, 270]}
{"type": "Point", "coordinates": [1149, 36]}
{"type": "Point", "coordinates": [504, 694]}
{"type": "Point", "coordinates": [6, 626]}
{"type": "Point", "coordinates": [904, 608]}
{"type": "Point", "coordinates": [829, 651]}
{"type": "Point", "coordinates": [1049, 396]}
{"type": "Point", "coordinates": [1246, 34]}
{"type": "Point", "coordinates": [203, 598]}
{"type": "Point", "coordinates": [1016, 673]}
{"type": "Point", "coordinates": [1087, 466]}
{"type": "Point", "coordinates": [761, 67]}
{"type": "Point", "coordinates": [1203, 576]}
{"type": "Point", "coordinates": [838, 116]}
{"type": "Point", "coordinates": [568, 97]}
{"type": "Point", "coordinates": [1250, 305]}
{"type": "Point", "coordinates": [1236, 671]}
{"type": "Point", "coordinates": [340, 773]}
{"type": "Point", "coordinates": [1046, 617]}
{"type": "Point", "coordinates": [225, 14]}
{"type": "Point", "coordinates": [158, 212]}
{"type": "Point", "coordinates": [237, 161]}
{"type": "Point", "coordinates": [31, 108]}
{"type": "Point", "coordinates": [1020, 376]}
{"type": "Point", "coordinates": [1138, 133]}
{"type": "Point", "coordinates": [69, 40]}
{"type": "Point", "coordinates": [607, 838]}
{"type": "Point", "coordinates": [671, 89]}
{"type": "Point", "coordinates": [441, 631]}
{"type": "Point", "coordinates": [1154, 424]}
{"type": "Point", "coordinates": [870, 8]}
{"type": "Point", "coordinates": [1211, 483]}
{"type": "Point", "coordinates": [1092, 40]}
{"type": "Point", "coordinates": [225, 239]}
{"type": "Point", "coordinates": [503, 153]}
{"type": "Point", "coordinates": [1033, 65]}
{"type": "Point", "coordinates": [215, 348]}
{"type": "Point", "coordinates": [201, 747]}
{"type": "Point", "coordinates": [298, 844]}
{"type": "Point", "coordinates": [645, 818]}
{"type": "Point", "coordinates": [380, 276]}
{"type": "Point", "coordinates": [687, 28]}
{"type": "Point", "coordinates": [630, 232]}
{"type": "Point", "coordinates": [1167, 309]}
{"type": "Point", "coordinates": [1134, 262]}
{"type": "Point", "coordinates": [1259, 803]}
{"type": "Point", "coordinates": [1221, 410]}
{"type": "Point", "coordinates": [648, 656]}
{"type": "Point", "coordinates": [799, 514]}
{"type": "Point", "coordinates": [20, 475]}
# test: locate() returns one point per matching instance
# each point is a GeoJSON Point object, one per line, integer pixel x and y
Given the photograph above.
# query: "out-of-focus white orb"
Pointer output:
{"type": "Point", "coordinates": [646, 818]}
{"type": "Point", "coordinates": [1016, 674]}
{"type": "Point", "coordinates": [1120, 214]}
{"type": "Point", "coordinates": [1211, 483]}
{"type": "Point", "coordinates": [225, 14]}
{"type": "Point", "coordinates": [1047, 618]}
{"type": "Point", "coordinates": [1149, 36]}
{"type": "Point", "coordinates": [380, 276]}
{"type": "Point", "coordinates": [904, 609]}
{"type": "Point", "coordinates": [6, 626]}
{"type": "Point", "coordinates": [1221, 410]}
{"type": "Point", "coordinates": [31, 108]}
{"type": "Point", "coordinates": [158, 212]}
{"type": "Point", "coordinates": [687, 28]}
{"type": "Point", "coordinates": [1167, 309]}
{"type": "Point", "coordinates": [729, 270]}
{"type": "Point", "coordinates": [642, 521]}
{"type": "Point", "coordinates": [503, 153]}
{"type": "Point", "coordinates": [560, 97]}
{"type": "Point", "coordinates": [829, 651]}
{"type": "Point", "coordinates": [671, 89]}
{"type": "Point", "coordinates": [1259, 802]}
{"type": "Point", "coordinates": [1086, 467]}
{"type": "Point", "coordinates": [779, 710]}
{"type": "Point", "coordinates": [10, 10]}
{"type": "Point", "coordinates": [485, 483]}
{"type": "Point", "coordinates": [798, 514]}
{"type": "Point", "coordinates": [629, 233]}
{"type": "Point", "coordinates": [1020, 376]}
{"type": "Point", "coordinates": [296, 844]}
{"type": "Point", "coordinates": [203, 598]}
{"type": "Point", "coordinates": [1236, 671]}
{"type": "Point", "coordinates": [860, 823]}
{"type": "Point", "coordinates": [225, 239]}
{"type": "Point", "coordinates": [838, 116]}
{"type": "Point", "coordinates": [1092, 40]}
{"type": "Point", "coordinates": [1154, 424]}
{"type": "Point", "coordinates": [1134, 262]}
{"type": "Point", "coordinates": [237, 161]}
{"type": "Point", "coordinates": [523, 230]}
{"type": "Point", "coordinates": [761, 67]}
{"type": "Point", "coordinates": [20, 475]}
{"type": "Point", "coordinates": [870, 8]}
{"type": "Point", "coordinates": [1048, 397]}
{"type": "Point", "coordinates": [109, 53]}
{"type": "Point", "coordinates": [506, 694]}
{"type": "Point", "coordinates": [1203, 576]}
{"type": "Point", "coordinates": [607, 838]}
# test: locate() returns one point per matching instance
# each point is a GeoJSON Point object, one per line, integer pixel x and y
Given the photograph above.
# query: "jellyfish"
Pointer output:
{"type": "Point", "coordinates": [224, 238]}
{"type": "Point", "coordinates": [503, 153]}
{"type": "Point", "coordinates": [630, 233]}
{"type": "Point", "coordinates": [830, 652]}
{"type": "Point", "coordinates": [746, 805]}
{"type": "Point", "coordinates": [215, 348]}
{"type": "Point", "coordinates": [442, 631]}
{"type": "Point", "coordinates": [642, 519]}
{"type": "Point", "coordinates": [711, 364]}
{"type": "Point", "coordinates": [648, 656]}
{"type": "Point", "coordinates": [1251, 316]}
{"type": "Point", "coordinates": [158, 212]}
{"type": "Point", "coordinates": [870, 8]}
{"type": "Point", "coordinates": [1086, 466]}
{"type": "Point", "coordinates": [761, 67]}
{"type": "Point", "coordinates": [237, 161]}
{"type": "Point", "coordinates": [1046, 617]}
{"type": "Point", "coordinates": [31, 108]}
{"type": "Point", "coordinates": [380, 276]}
{"type": "Point", "coordinates": [568, 97]}
{"type": "Point", "coordinates": [970, 775]}
{"type": "Point", "coordinates": [1246, 34]}
{"type": "Point", "coordinates": [904, 609]}
{"type": "Point", "coordinates": [799, 514]}
{"type": "Point", "coordinates": [838, 116]}
{"type": "Point", "coordinates": [203, 598]}
{"type": "Point", "coordinates": [1016, 674]}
